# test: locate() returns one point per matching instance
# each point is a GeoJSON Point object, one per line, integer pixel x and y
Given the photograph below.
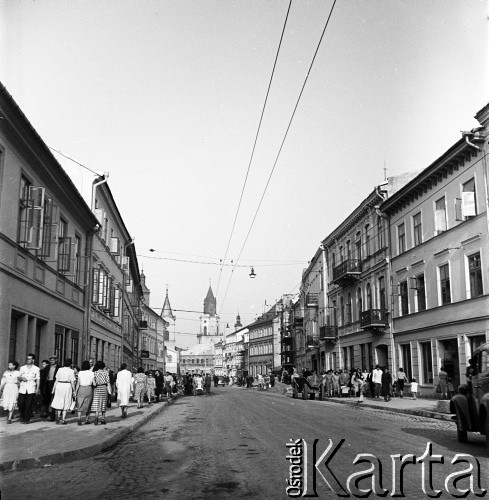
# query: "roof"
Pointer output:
{"type": "Point", "coordinates": [166, 311]}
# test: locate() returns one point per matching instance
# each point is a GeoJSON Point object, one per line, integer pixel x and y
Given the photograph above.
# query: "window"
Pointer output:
{"type": "Point", "coordinates": [380, 232]}
{"type": "Point", "coordinates": [426, 363]}
{"type": "Point", "coordinates": [469, 208]}
{"type": "Point", "coordinates": [333, 262]}
{"type": "Point", "coordinates": [404, 297]}
{"type": "Point", "coordinates": [359, 303]}
{"type": "Point", "coordinates": [367, 240]}
{"type": "Point", "coordinates": [59, 335]}
{"type": "Point", "coordinates": [358, 247]}
{"type": "Point", "coordinates": [348, 309]}
{"type": "Point", "coordinates": [475, 275]}
{"type": "Point", "coordinates": [420, 293]}
{"type": "Point", "coordinates": [369, 297]}
{"type": "Point", "coordinates": [77, 261]}
{"type": "Point", "coordinates": [417, 229]}
{"type": "Point", "coordinates": [31, 215]}
{"type": "Point", "coordinates": [440, 216]}
{"type": "Point", "coordinates": [401, 238]}
{"type": "Point", "coordinates": [96, 284]}
{"type": "Point", "coordinates": [64, 247]}
{"type": "Point", "coordinates": [342, 311]}
{"type": "Point", "coordinates": [74, 348]}
{"type": "Point", "coordinates": [382, 298]}
{"type": "Point", "coordinates": [444, 276]}
{"type": "Point", "coordinates": [49, 237]}
{"type": "Point", "coordinates": [348, 250]}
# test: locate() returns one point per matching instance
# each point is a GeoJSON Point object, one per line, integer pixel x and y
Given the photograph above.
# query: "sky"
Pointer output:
{"type": "Point", "coordinates": [167, 95]}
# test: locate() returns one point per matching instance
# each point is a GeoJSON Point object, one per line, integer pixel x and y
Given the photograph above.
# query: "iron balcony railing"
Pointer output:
{"type": "Point", "coordinates": [348, 269]}
{"type": "Point", "coordinates": [328, 332]}
{"type": "Point", "coordinates": [373, 318]}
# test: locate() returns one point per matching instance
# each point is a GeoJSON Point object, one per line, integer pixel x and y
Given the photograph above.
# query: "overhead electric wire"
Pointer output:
{"type": "Point", "coordinates": [285, 263]}
{"type": "Point", "coordinates": [74, 161]}
{"type": "Point", "coordinates": [254, 147]}
{"type": "Point", "coordinates": [280, 149]}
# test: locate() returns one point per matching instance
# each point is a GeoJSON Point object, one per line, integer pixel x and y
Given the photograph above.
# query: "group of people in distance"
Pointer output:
{"type": "Point", "coordinates": [375, 384]}
{"type": "Point", "coordinates": [90, 389]}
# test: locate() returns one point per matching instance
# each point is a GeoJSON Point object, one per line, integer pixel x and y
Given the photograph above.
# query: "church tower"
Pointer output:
{"type": "Point", "coordinates": [169, 318]}
{"type": "Point", "coordinates": [209, 321]}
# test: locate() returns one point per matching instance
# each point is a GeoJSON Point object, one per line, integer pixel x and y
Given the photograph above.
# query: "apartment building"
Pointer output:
{"type": "Point", "coordinates": [438, 228]}
{"type": "Point", "coordinates": [46, 230]}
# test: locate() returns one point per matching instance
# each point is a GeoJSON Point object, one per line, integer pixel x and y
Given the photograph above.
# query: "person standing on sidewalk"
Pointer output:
{"type": "Point", "coordinates": [168, 379]}
{"type": "Point", "coordinates": [377, 381]}
{"type": "Point", "coordinates": [84, 392]}
{"type": "Point", "coordinates": [386, 384]}
{"type": "Point", "coordinates": [47, 378]}
{"type": "Point", "coordinates": [64, 388]}
{"type": "Point", "coordinates": [400, 381]}
{"type": "Point", "coordinates": [29, 378]}
{"type": "Point", "coordinates": [124, 386]}
{"type": "Point", "coordinates": [9, 389]}
{"type": "Point", "coordinates": [140, 386]}
{"type": "Point", "coordinates": [102, 387]}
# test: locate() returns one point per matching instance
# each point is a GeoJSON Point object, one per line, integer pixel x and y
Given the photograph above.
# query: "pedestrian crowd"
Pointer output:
{"type": "Point", "coordinates": [54, 390]}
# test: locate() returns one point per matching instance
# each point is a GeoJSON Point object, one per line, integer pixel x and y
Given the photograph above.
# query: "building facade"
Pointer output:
{"type": "Point", "coordinates": [439, 259]}
{"type": "Point", "coordinates": [46, 229]}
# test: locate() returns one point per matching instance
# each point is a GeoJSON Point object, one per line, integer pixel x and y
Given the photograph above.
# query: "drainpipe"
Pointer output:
{"type": "Point", "coordinates": [95, 185]}
{"type": "Point", "coordinates": [89, 267]}
{"type": "Point", "coordinates": [466, 136]}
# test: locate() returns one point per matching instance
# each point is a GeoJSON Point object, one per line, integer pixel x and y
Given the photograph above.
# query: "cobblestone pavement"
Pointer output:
{"type": "Point", "coordinates": [232, 445]}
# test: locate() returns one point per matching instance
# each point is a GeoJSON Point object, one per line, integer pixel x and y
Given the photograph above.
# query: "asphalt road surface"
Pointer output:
{"type": "Point", "coordinates": [232, 444]}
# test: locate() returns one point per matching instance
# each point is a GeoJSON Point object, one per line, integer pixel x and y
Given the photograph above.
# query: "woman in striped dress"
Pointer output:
{"type": "Point", "coordinates": [102, 389]}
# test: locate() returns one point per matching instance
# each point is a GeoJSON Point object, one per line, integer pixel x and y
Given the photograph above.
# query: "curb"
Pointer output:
{"type": "Point", "coordinates": [419, 413]}
{"type": "Point", "coordinates": [70, 455]}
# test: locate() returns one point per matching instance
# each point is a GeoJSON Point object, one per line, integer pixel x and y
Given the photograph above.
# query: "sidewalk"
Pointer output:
{"type": "Point", "coordinates": [420, 407]}
{"type": "Point", "coordinates": [42, 443]}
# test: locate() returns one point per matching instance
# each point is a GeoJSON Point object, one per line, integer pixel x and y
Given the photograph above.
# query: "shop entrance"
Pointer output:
{"type": "Point", "coordinates": [449, 357]}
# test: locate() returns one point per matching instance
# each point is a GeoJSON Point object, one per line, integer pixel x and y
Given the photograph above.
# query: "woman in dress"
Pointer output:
{"type": "Point", "coordinates": [139, 386]}
{"type": "Point", "coordinates": [102, 389]}
{"type": "Point", "coordinates": [386, 384]}
{"type": "Point", "coordinates": [150, 387]}
{"type": "Point", "coordinates": [84, 392]}
{"type": "Point", "coordinates": [336, 383]}
{"type": "Point", "coordinates": [443, 377]}
{"type": "Point", "coordinates": [63, 390]}
{"type": "Point", "coordinates": [9, 389]}
{"type": "Point", "coordinates": [124, 386]}
{"type": "Point", "coordinates": [159, 385]}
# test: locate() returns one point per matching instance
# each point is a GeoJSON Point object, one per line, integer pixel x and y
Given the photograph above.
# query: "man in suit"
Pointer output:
{"type": "Point", "coordinates": [48, 377]}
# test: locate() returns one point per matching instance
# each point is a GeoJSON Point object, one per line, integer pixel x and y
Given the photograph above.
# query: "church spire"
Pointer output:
{"type": "Point", "coordinates": [210, 303]}
{"type": "Point", "coordinates": [238, 322]}
{"type": "Point", "coordinates": [166, 312]}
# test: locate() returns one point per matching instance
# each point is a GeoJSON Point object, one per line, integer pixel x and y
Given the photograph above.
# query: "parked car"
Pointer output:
{"type": "Point", "coordinates": [471, 405]}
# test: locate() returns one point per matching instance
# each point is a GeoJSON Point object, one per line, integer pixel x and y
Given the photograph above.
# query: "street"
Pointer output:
{"type": "Point", "coordinates": [232, 445]}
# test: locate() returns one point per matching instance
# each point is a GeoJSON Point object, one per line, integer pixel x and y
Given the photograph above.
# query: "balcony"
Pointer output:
{"type": "Point", "coordinates": [287, 350]}
{"type": "Point", "coordinates": [288, 359]}
{"type": "Point", "coordinates": [328, 333]}
{"type": "Point", "coordinates": [374, 319]}
{"type": "Point", "coordinates": [143, 325]}
{"type": "Point", "coordinates": [312, 300]}
{"type": "Point", "coordinates": [347, 272]}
